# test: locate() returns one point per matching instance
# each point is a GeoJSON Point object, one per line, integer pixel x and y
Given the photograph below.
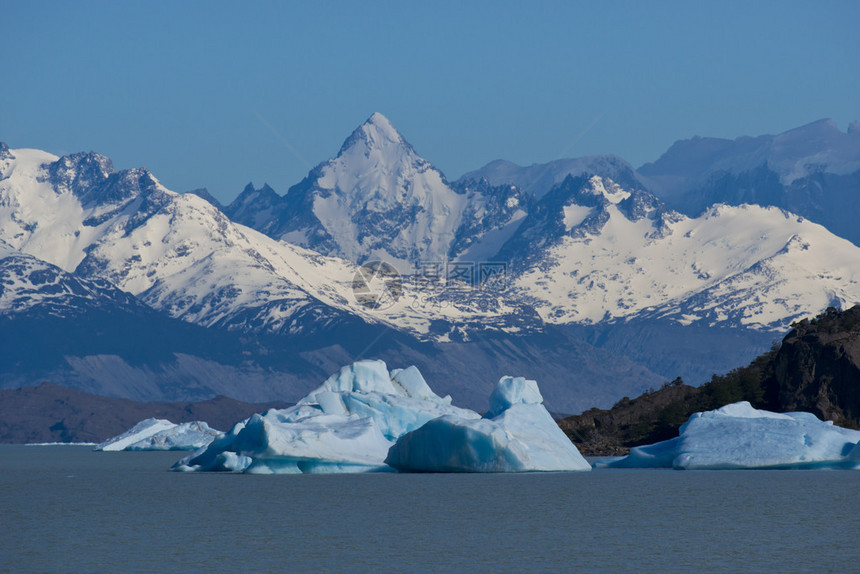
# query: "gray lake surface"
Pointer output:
{"type": "Point", "coordinates": [69, 509]}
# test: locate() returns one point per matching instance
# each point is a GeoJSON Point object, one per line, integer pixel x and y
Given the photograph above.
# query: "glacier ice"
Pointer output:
{"type": "Point", "coordinates": [364, 417]}
{"type": "Point", "coordinates": [740, 436]}
{"type": "Point", "coordinates": [161, 434]}
{"type": "Point", "coordinates": [517, 434]}
{"type": "Point", "coordinates": [347, 424]}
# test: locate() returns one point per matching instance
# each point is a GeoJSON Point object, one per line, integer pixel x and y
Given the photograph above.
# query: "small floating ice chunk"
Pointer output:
{"type": "Point", "coordinates": [161, 434]}
{"type": "Point", "coordinates": [141, 431]}
{"type": "Point", "coordinates": [184, 436]}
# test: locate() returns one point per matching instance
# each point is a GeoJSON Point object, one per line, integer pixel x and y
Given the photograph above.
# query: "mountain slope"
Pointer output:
{"type": "Point", "coordinates": [593, 252]}
{"type": "Point", "coordinates": [111, 344]}
{"type": "Point", "coordinates": [379, 200]}
{"type": "Point", "coordinates": [29, 285]}
{"type": "Point", "coordinates": [813, 171]}
{"type": "Point", "coordinates": [605, 260]}
{"type": "Point", "coordinates": [537, 179]}
{"type": "Point", "coordinates": [178, 253]}
{"type": "Point", "coordinates": [261, 319]}
{"type": "Point", "coordinates": [181, 255]}
{"type": "Point", "coordinates": [90, 335]}
{"type": "Point", "coordinates": [816, 147]}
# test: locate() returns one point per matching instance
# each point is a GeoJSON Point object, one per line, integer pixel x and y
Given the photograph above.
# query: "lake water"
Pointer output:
{"type": "Point", "coordinates": [69, 509]}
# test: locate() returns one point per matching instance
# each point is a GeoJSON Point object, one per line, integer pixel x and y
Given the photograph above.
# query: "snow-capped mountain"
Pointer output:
{"type": "Point", "coordinates": [379, 200]}
{"type": "Point", "coordinates": [813, 171]}
{"type": "Point", "coordinates": [797, 153]}
{"type": "Point", "coordinates": [589, 250]}
{"type": "Point", "coordinates": [295, 309]}
{"type": "Point", "coordinates": [88, 334]}
{"type": "Point", "coordinates": [593, 251]}
{"type": "Point", "coordinates": [179, 254]}
{"type": "Point", "coordinates": [29, 285]}
{"type": "Point", "coordinates": [491, 215]}
{"type": "Point", "coordinates": [204, 193]}
{"type": "Point", "coordinates": [537, 179]}
{"type": "Point", "coordinates": [79, 214]}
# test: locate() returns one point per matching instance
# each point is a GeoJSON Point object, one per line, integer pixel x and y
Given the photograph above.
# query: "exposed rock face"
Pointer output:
{"type": "Point", "coordinates": [648, 418]}
{"type": "Point", "coordinates": [4, 151]}
{"type": "Point", "coordinates": [817, 368]}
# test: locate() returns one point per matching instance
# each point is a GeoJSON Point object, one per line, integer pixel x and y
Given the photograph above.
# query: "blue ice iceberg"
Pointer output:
{"type": "Point", "coordinates": [364, 416]}
{"type": "Point", "coordinates": [739, 436]}
{"type": "Point", "coordinates": [517, 434]}
{"type": "Point", "coordinates": [161, 434]}
{"type": "Point", "coordinates": [347, 424]}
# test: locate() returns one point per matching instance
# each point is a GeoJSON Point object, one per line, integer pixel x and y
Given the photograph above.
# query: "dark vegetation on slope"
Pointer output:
{"type": "Point", "coordinates": [815, 369]}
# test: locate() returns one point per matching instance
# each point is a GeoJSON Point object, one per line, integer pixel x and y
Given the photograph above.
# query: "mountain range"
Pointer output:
{"type": "Point", "coordinates": [595, 278]}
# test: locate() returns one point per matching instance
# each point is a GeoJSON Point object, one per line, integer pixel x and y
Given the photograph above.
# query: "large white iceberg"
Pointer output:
{"type": "Point", "coordinates": [161, 434]}
{"type": "Point", "coordinates": [739, 436]}
{"type": "Point", "coordinates": [517, 434]}
{"type": "Point", "coordinates": [347, 424]}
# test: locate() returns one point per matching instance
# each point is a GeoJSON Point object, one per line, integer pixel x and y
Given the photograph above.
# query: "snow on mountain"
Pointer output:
{"type": "Point", "coordinates": [593, 252]}
{"type": "Point", "coordinates": [819, 147]}
{"type": "Point", "coordinates": [537, 179]}
{"type": "Point", "coordinates": [378, 197]}
{"type": "Point", "coordinates": [591, 249]}
{"type": "Point", "coordinates": [379, 200]}
{"type": "Point", "coordinates": [813, 171]}
{"type": "Point", "coordinates": [29, 285]}
{"type": "Point", "coordinates": [204, 193]}
{"type": "Point", "coordinates": [180, 254]}
{"type": "Point", "coordinates": [6, 250]}
{"type": "Point", "coordinates": [491, 215]}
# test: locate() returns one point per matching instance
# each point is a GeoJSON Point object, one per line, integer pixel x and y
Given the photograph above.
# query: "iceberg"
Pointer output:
{"type": "Point", "coordinates": [517, 434]}
{"type": "Point", "coordinates": [348, 424]}
{"type": "Point", "coordinates": [184, 436]}
{"type": "Point", "coordinates": [161, 434]}
{"type": "Point", "coordinates": [738, 436]}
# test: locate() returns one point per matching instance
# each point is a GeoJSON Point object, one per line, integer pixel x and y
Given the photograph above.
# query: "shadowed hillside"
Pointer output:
{"type": "Point", "coordinates": [815, 369]}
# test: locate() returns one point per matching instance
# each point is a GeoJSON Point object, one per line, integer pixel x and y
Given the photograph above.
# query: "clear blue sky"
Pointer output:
{"type": "Point", "coordinates": [215, 94]}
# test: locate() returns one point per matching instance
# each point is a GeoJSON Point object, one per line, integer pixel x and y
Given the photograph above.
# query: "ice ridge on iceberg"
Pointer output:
{"type": "Point", "coordinates": [161, 434]}
{"type": "Point", "coordinates": [347, 424]}
{"type": "Point", "coordinates": [738, 436]}
{"type": "Point", "coordinates": [517, 434]}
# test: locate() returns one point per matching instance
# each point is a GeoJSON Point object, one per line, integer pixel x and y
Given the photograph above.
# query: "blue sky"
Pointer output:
{"type": "Point", "coordinates": [216, 94]}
